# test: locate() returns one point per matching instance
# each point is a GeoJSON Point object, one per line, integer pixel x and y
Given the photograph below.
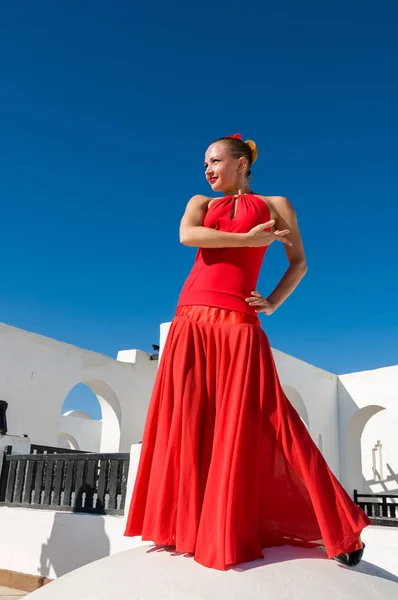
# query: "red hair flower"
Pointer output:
{"type": "Point", "coordinates": [237, 136]}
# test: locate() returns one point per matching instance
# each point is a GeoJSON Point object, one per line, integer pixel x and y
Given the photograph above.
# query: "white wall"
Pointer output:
{"type": "Point", "coordinates": [19, 444]}
{"type": "Point", "coordinates": [135, 411]}
{"type": "Point", "coordinates": [52, 543]}
{"type": "Point", "coordinates": [77, 430]}
{"type": "Point", "coordinates": [318, 390]}
{"type": "Point", "coordinates": [368, 409]}
{"type": "Point", "coordinates": [164, 330]}
{"type": "Point", "coordinates": [381, 427]}
{"type": "Point", "coordinates": [37, 373]}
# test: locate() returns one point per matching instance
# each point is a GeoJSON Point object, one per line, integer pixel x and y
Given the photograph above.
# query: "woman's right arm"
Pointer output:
{"type": "Point", "coordinates": [192, 232]}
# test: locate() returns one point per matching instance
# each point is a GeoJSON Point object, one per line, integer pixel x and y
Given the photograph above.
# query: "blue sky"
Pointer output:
{"type": "Point", "coordinates": [107, 109]}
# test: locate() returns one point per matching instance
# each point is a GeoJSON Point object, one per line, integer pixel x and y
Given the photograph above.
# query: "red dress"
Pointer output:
{"type": "Point", "coordinates": [227, 466]}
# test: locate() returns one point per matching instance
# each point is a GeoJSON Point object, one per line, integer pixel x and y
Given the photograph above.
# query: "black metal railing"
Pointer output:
{"type": "Point", "coordinates": [88, 483]}
{"type": "Point", "coordinates": [379, 507]}
{"type": "Point", "coordinates": [39, 449]}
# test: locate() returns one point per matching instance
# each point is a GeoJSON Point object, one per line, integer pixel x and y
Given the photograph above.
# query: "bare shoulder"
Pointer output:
{"type": "Point", "coordinates": [195, 209]}
{"type": "Point", "coordinates": [279, 206]}
{"type": "Point", "coordinates": [199, 201]}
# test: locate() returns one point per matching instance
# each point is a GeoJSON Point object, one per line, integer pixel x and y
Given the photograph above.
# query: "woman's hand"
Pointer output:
{"type": "Point", "coordinates": [260, 304]}
{"type": "Point", "coordinates": [257, 236]}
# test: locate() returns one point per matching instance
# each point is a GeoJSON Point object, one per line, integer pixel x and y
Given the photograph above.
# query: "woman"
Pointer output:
{"type": "Point", "coordinates": [227, 466]}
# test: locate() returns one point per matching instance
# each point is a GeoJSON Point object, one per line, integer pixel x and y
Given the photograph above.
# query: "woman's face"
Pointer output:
{"type": "Point", "coordinates": [221, 169]}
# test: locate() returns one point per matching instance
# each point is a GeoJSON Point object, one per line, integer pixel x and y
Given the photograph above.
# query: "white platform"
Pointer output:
{"type": "Point", "coordinates": [286, 573]}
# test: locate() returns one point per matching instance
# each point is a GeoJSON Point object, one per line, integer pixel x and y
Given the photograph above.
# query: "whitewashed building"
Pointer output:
{"type": "Point", "coordinates": [352, 418]}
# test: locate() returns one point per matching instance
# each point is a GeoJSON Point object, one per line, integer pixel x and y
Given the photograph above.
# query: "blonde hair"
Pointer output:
{"type": "Point", "coordinates": [238, 148]}
{"type": "Point", "coordinates": [253, 147]}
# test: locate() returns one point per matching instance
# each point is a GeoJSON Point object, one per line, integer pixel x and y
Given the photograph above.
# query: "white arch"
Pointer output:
{"type": "Point", "coordinates": [77, 413]}
{"type": "Point", "coordinates": [71, 442]}
{"type": "Point", "coordinates": [353, 458]}
{"type": "Point", "coordinates": [297, 402]}
{"type": "Point", "coordinates": [111, 413]}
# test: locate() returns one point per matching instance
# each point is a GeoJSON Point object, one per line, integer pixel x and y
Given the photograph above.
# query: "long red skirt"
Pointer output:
{"type": "Point", "coordinates": [227, 466]}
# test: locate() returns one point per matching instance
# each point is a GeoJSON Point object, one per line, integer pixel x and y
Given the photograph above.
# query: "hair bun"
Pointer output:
{"type": "Point", "coordinates": [253, 148]}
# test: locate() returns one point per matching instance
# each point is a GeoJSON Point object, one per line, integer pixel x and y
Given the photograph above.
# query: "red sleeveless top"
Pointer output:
{"type": "Point", "coordinates": [224, 277]}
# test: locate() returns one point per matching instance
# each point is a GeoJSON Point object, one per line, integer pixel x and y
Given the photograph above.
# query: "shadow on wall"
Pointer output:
{"type": "Point", "coordinates": [65, 440]}
{"type": "Point", "coordinates": [353, 450]}
{"type": "Point", "coordinates": [76, 539]}
{"type": "Point", "coordinates": [298, 403]}
{"type": "Point", "coordinates": [388, 485]}
{"type": "Point", "coordinates": [351, 425]}
{"type": "Point", "coordinates": [357, 451]}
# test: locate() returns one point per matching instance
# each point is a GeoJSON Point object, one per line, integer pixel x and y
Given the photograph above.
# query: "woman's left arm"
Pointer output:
{"type": "Point", "coordinates": [285, 218]}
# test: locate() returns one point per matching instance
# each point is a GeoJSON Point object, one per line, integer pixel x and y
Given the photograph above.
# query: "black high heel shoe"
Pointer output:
{"type": "Point", "coordinates": [352, 558]}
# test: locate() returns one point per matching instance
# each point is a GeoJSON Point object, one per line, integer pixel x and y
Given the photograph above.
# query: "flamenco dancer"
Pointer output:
{"type": "Point", "coordinates": [227, 466]}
